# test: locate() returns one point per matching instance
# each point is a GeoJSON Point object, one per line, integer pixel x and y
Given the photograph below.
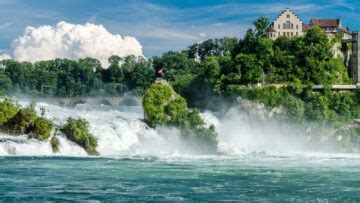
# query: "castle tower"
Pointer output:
{"type": "Point", "coordinates": [355, 59]}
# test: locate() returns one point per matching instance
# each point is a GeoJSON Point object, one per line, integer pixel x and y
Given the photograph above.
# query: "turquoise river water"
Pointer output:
{"type": "Point", "coordinates": [250, 178]}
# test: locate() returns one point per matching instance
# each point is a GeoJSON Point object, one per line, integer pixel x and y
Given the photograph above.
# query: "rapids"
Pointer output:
{"type": "Point", "coordinates": [248, 129]}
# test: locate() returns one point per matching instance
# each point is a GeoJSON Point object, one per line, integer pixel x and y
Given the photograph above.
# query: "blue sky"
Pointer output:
{"type": "Point", "coordinates": [163, 25]}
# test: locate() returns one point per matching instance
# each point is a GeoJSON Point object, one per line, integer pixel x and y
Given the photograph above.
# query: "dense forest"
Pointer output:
{"type": "Point", "coordinates": [204, 72]}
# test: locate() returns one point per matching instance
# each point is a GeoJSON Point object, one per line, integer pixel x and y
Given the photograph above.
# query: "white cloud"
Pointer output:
{"type": "Point", "coordinates": [201, 34]}
{"type": "Point", "coordinates": [4, 56]}
{"type": "Point", "coordinates": [5, 25]}
{"type": "Point", "coordinates": [66, 40]}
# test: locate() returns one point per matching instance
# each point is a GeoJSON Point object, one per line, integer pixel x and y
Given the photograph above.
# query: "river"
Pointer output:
{"type": "Point", "coordinates": [258, 159]}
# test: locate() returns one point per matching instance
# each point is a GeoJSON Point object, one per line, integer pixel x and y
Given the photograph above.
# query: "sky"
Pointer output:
{"type": "Point", "coordinates": [162, 25]}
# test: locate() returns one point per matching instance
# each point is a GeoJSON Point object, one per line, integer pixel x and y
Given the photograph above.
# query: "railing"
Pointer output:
{"type": "Point", "coordinates": [314, 87]}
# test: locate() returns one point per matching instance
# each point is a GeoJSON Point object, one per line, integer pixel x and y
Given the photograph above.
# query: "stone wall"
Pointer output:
{"type": "Point", "coordinates": [355, 65]}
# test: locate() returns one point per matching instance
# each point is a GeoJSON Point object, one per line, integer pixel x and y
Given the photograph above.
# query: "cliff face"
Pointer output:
{"type": "Point", "coordinates": [336, 50]}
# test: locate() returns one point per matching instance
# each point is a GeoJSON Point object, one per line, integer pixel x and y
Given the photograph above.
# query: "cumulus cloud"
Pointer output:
{"type": "Point", "coordinates": [66, 40]}
{"type": "Point", "coordinates": [4, 56]}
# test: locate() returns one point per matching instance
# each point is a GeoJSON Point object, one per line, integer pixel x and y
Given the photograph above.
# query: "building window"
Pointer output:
{"type": "Point", "coordinates": [297, 33]}
{"type": "Point", "coordinates": [292, 34]}
{"type": "Point", "coordinates": [297, 27]}
{"type": "Point", "coordinates": [279, 34]}
{"type": "Point", "coordinates": [279, 26]}
{"type": "Point", "coordinates": [287, 25]}
{"type": "Point", "coordinates": [288, 15]}
{"type": "Point", "coordinates": [292, 26]}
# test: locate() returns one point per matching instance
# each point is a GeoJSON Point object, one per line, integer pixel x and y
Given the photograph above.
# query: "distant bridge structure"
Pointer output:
{"type": "Point", "coordinates": [337, 87]}
{"type": "Point", "coordinates": [113, 101]}
{"type": "Point", "coordinates": [318, 87]}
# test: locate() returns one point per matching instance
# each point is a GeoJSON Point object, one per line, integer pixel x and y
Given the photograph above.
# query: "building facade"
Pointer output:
{"type": "Point", "coordinates": [289, 24]}
{"type": "Point", "coordinates": [355, 59]}
{"type": "Point", "coordinates": [286, 24]}
{"type": "Point", "coordinates": [331, 27]}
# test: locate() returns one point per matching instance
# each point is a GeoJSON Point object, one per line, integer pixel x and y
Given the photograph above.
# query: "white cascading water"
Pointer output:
{"type": "Point", "coordinates": [122, 134]}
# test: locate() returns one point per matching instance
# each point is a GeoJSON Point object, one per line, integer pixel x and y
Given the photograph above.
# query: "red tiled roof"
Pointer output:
{"type": "Point", "coordinates": [305, 27]}
{"type": "Point", "coordinates": [325, 22]}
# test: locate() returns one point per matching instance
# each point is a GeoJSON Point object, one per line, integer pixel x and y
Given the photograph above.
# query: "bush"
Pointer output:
{"type": "Point", "coordinates": [294, 107]}
{"type": "Point", "coordinates": [7, 111]}
{"type": "Point", "coordinates": [162, 106]}
{"type": "Point", "coordinates": [77, 131]}
{"type": "Point", "coordinates": [21, 122]}
{"type": "Point", "coordinates": [155, 99]}
{"type": "Point", "coordinates": [177, 110]}
{"type": "Point", "coordinates": [24, 121]}
{"type": "Point", "coordinates": [54, 144]}
{"type": "Point", "coordinates": [41, 129]}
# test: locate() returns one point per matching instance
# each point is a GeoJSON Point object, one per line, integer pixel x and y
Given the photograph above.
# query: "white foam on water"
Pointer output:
{"type": "Point", "coordinates": [122, 134]}
{"type": "Point", "coordinates": [119, 134]}
{"type": "Point", "coordinates": [22, 146]}
{"type": "Point", "coordinates": [244, 132]}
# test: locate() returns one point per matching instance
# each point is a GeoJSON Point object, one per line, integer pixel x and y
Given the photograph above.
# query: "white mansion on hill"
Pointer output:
{"type": "Point", "coordinates": [289, 24]}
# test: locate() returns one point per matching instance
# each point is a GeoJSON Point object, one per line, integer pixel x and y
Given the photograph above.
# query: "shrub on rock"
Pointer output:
{"type": "Point", "coordinates": [7, 111]}
{"type": "Point", "coordinates": [77, 130]}
{"type": "Point", "coordinates": [155, 99]}
{"type": "Point", "coordinates": [41, 129]}
{"type": "Point", "coordinates": [54, 144]}
{"type": "Point", "coordinates": [163, 106]}
{"type": "Point", "coordinates": [21, 122]}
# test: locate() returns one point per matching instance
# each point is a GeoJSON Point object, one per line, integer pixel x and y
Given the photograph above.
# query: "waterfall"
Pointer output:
{"type": "Point", "coordinates": [246, 129]}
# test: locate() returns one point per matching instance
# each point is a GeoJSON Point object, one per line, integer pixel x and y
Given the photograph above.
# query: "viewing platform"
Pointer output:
{"type": "Point", "coordinates": [337, 87]}
{"type": "Point", "coordinates": [317, 87]}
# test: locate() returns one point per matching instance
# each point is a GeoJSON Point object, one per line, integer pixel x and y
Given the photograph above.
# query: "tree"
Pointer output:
{"type": "Point", "coordinates": [175, 64]}
{"type": "Point", "coordinates": [141, 77]}
{"type": "Point", "coordinates": [264, 51]}
{"type": "Point", "coordinates": [261, 25]}
{"type": "Point", "coordinates": [114, 60]}
{"type": "Point", "coordinates": [211, 73]}
{"type": "Point", "coordinates": [230, 71]}
{"type": "Point", "coordinates": [251, 68]}
{"type": "Point", "coordinates": [317, 44]}
{"type": "Point", "coordinates": [212, 47]}
{"type": "Point", "coordinates": [246, 46]}
{"type": "Point", "coordinates": [113, 74]}
{"type": "Point", "coordinates": [5, 81]}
